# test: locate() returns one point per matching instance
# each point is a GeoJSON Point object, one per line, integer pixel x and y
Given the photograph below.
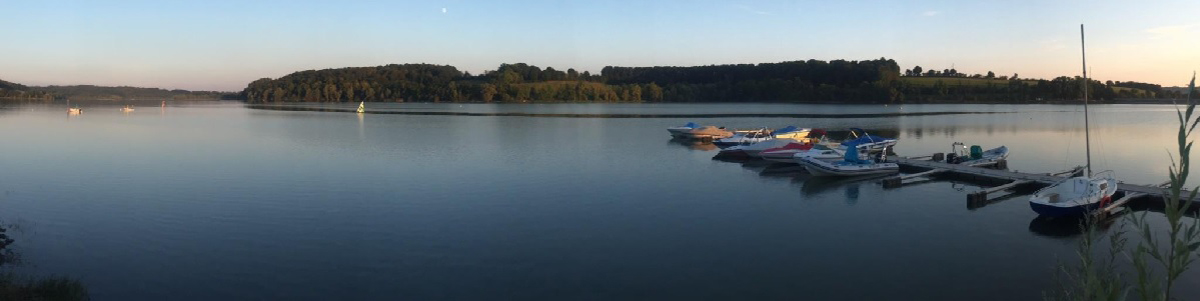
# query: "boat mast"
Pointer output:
{"type": "Point", "coordinates": [1086, 135]}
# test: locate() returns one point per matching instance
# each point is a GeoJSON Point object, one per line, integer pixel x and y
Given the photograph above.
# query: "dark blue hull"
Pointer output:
{"type": "Point", "coordinates": [1055, 211]}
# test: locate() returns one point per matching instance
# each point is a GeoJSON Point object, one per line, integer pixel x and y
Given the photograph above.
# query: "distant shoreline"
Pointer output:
{"type": "Point", "coordinates": [620, 115]}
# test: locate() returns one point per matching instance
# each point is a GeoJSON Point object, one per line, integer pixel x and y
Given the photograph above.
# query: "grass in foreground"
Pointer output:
{"type": "Point", "coordinates": [13, 288]}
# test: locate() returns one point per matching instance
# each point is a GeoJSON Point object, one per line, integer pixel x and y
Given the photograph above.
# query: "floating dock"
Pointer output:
{"type": "Point", "coordinates": [1014, 179]}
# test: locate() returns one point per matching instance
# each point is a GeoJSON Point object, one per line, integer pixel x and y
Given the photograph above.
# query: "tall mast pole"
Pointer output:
{"type": "Point", "coordinates": [1086, 135]}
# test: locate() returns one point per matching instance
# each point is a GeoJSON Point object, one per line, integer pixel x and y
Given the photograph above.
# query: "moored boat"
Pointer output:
{"type": "Point", "coordinates": [821, 152]}
{"type": "Point", "coordinates": [763, 134]}
{"type": "Point", "coordinates": [707, 132]}
{"type": "Point", "coordinates": [1075, 196]}
{"type": "Point", "coordinates": [753, 150]}
{"type": "Point", "coordinates": [785, 153]}
{"type": "Point", "coordinates": [1080, 195]}
{"type": "Point", "coordinates": [976, 155]}
{"type": "Point", "coordinates": [676, 131]}
{"type": "Point", "coordinates": [851, 165]}
{"type": "Point", "coordinates": [744, 137]}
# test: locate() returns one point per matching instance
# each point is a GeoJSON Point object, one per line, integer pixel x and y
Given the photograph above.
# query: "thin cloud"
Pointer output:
{"type": "Point", "coordinates": [1171, 31]}
{"type": "Point", "coordinates": [753, 11]}
{"type": "Point", "coordinates": [930, 13]}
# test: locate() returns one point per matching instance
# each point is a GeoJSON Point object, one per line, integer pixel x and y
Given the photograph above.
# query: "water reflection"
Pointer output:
{"type": "Point", "coordinates": [811, 186]}
{"type": "Point", "coordinates": [361, 132]}
{"type": "Point", "coordinates": [689, 143]}
{"type": "Point", "coordinates": [780, 169]}
{"type": "Point", "coordinates": [1064, 227]}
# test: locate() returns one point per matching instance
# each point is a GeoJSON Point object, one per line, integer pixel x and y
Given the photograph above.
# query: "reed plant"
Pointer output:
{"type": "Point", "coordinates": [1173, 254]}
{"type": "Point", "coordinates": [17, 288]}
{"type": "Point", "coordinates": [1096, 277]}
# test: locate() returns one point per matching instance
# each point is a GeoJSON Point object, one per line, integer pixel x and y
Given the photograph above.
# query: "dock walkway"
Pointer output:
{"type": "Point", "coordinates": [1016, 177]}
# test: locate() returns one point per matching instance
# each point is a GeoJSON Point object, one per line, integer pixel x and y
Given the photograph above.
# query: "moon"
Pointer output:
{"type": "Point", "coordinates": [443, 10]}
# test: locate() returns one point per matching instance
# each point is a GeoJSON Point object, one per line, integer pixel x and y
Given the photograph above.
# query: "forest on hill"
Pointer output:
{"type": "Point", "coordinates": [19, 91]}
{"type": "Point", "coordinates": [90, 92]}
{"type": "Point", "coordinates": [12, 90]}
{"type": "Point", "coordinates": [812, 80]}
{"type": "Point", "coordinates": [837, 81]}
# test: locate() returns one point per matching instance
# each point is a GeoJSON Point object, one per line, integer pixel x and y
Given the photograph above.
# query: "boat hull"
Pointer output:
{"type": "Point", "coordinates": [784, 157]}
{"type": "Point", "coordinates": [822, 168]}
{"type": "Point", "coordinates": [1056, 211]}
{"type": "Point", "coordinates": [678, 132]}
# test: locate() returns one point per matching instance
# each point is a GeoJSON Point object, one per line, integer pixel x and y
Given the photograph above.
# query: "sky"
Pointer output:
{"type": "Point", "coordinates": [224, 45]}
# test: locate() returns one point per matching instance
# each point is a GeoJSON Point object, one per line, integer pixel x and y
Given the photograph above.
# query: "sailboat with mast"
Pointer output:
{"type": "Point", "coordinates": [1077, 195]}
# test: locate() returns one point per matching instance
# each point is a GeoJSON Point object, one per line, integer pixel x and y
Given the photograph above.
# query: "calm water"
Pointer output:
{"type": "Point", "coordinates": [214, 201]}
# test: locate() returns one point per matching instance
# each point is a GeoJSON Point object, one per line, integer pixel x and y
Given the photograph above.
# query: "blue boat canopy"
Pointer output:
{"type": "Point", "coordinates": [788, 129]}
{"type": "Point", "coordinates": [691, 125]}
{"type": "Point", "coordinates": [852, 155]}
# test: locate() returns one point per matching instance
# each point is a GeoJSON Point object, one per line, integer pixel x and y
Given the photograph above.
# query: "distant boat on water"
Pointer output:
{"type": "Point", "coordinates": [127, 109]}
{"type": "Point", "coordinates": [361, 108]}
{"type": "Point", "coordinates": [73, 110]}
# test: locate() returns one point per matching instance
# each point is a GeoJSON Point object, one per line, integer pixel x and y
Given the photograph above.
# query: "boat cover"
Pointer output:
{"type": "Point", "coordinates": [976, 152]}
{"type": "Point", "coordinates": [691, 125]}
{"type": "Point", "coordinates": [852, 155]}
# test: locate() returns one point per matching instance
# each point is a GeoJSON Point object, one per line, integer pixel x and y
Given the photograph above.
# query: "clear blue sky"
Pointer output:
{"type": "Point", "coordinates": [223, 45]}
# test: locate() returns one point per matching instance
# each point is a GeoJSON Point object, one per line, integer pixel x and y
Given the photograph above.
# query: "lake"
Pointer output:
{"type": "Point", "coordinates": [217, 201]}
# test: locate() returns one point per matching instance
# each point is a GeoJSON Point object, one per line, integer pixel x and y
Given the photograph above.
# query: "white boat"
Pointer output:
{"type": "Point", "coordinates": [127, 109]}
{"type": "Point", "coordinates": [361, 108]}
{"type": "Point", "coordinates": [851, 165]}
{"type": "Point", "coordinates": [821, 152]}
{"type": "Point", "coordinates": [785, 153]}
{"type": "Point", "coordinates": [753, 150]}
{"type": "Point", "coordinates": [677, 131]}
{"type": "Point", "coordinates": [760, 135]}
{"type": "Point", "coordinates": [976, 155]}
{"type": "Point", "coordinates": [1077, 195]}
{"type": "Point", "coordinates": [744, 137]}
{"type": "Point", "coordinates": [73, 110]}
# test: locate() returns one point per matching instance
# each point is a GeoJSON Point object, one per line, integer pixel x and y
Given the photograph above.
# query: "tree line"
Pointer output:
{"type": "Point", "coordinates": [90, 92]}
{"type": "Point", "coordinates": [19, 91]}
{"type": "Point", "coordinates": [812, 80]}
